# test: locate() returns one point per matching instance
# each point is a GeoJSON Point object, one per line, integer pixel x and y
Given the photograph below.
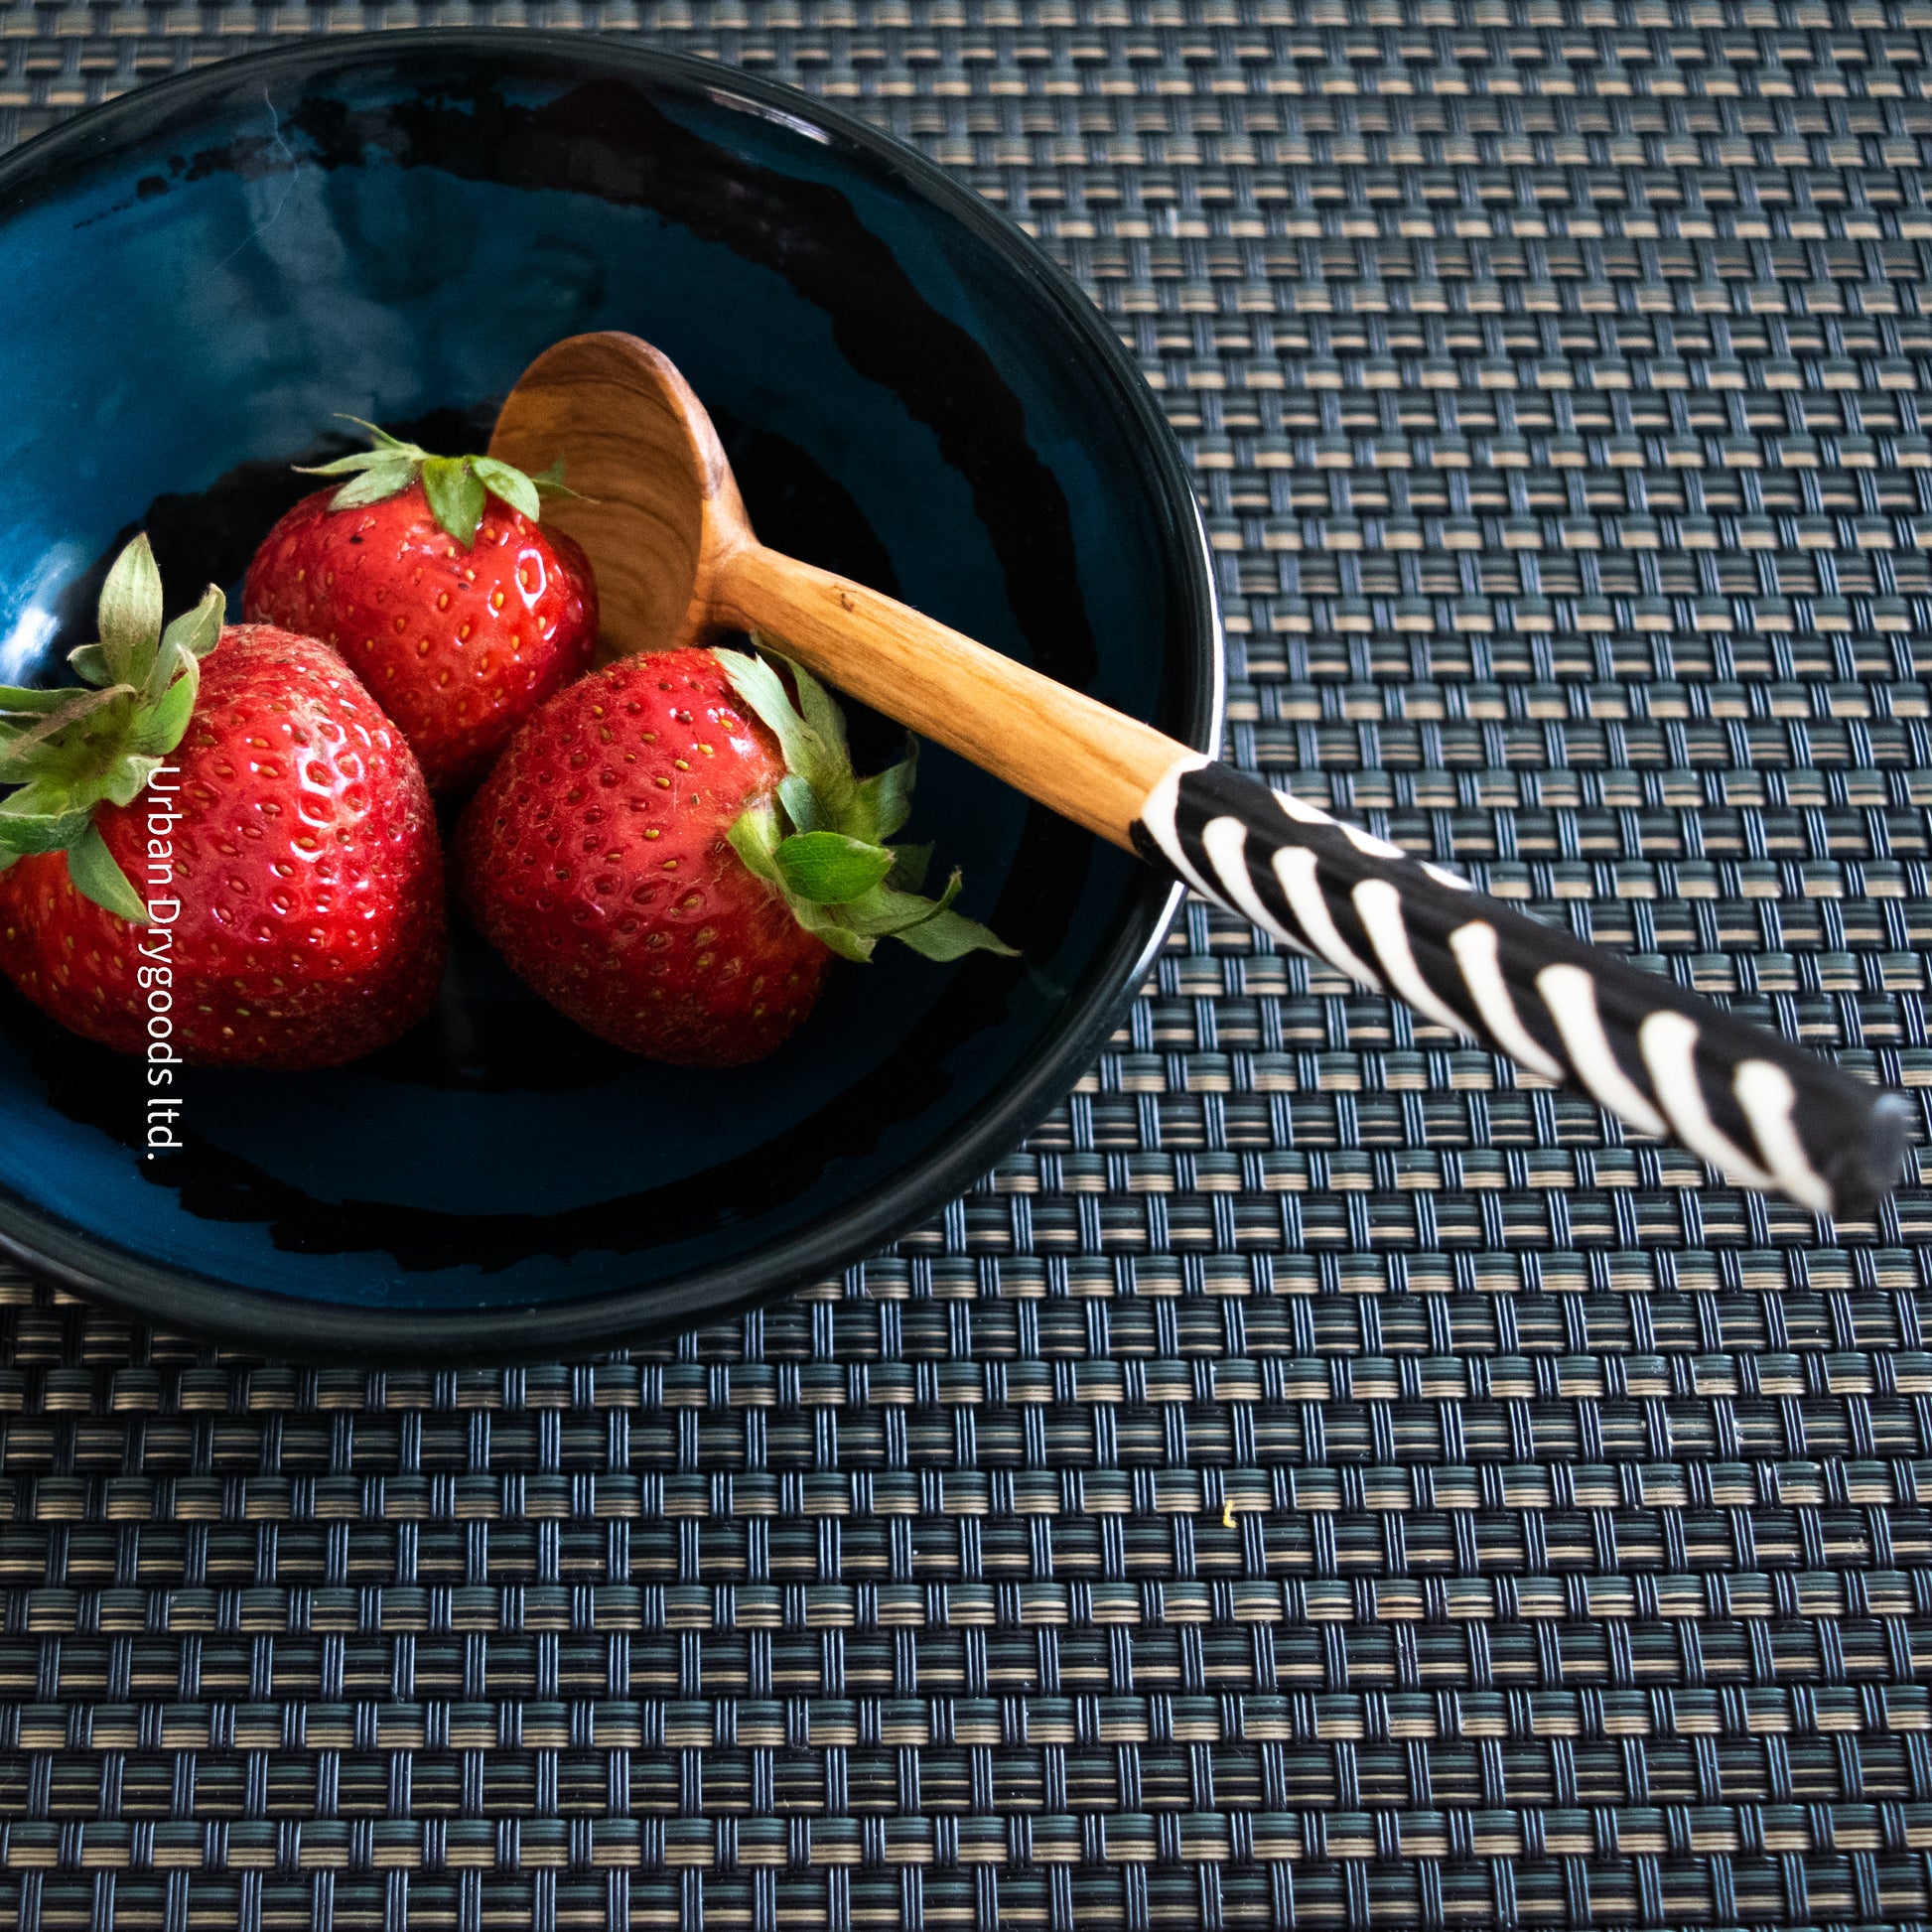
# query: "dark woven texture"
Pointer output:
{"type": "Point", "coordinates": [1321, 1481]}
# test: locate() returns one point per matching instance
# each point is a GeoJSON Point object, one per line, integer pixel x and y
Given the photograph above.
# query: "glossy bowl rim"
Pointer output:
{"type": "Point", "coordinates": [289, 1327]}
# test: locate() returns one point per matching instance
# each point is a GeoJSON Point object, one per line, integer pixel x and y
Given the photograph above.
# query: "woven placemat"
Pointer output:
{"type": "Point", "coordinates": [1318, 1482]}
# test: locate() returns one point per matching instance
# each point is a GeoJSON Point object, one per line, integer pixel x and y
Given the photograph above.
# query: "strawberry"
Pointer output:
{"type": "Point", "coordinates": [673, 854]}
{"type": "Point", "coordinates": [290, 912]}
{"type": "Point", "coordinates": [434, 579]}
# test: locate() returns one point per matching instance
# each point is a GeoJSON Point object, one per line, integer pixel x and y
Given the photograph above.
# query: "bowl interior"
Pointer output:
{"type": "Point", "coordinates": [393, 230]}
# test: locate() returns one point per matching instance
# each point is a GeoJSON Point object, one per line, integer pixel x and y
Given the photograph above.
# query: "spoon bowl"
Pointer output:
{"type": "Point", "coordinates": [655, 504]}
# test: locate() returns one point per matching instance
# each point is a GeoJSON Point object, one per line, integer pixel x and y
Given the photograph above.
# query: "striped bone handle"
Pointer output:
{"type": "Point", "coordinates": [1763, 1113]}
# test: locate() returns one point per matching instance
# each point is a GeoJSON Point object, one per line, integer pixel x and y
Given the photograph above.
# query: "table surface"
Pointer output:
{"type": "Point", "coordinates": [1319, 1480]}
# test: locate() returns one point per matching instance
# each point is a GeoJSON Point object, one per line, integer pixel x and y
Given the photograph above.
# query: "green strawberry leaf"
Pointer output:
{"type": "Point", "coordinates": [886, 912]}
{"type": "Point", "coordinates": [759, 686]}
{"type": "Point", "coordinates": [377, 473]}
{"type": "Point", "coordinates": [949, 936]}
{"type": "Point", "coordinates": [347, 466]}
{"type": "Point", "coordinates": [840, 881]}
{"type": "Point", "coordinates": [801, 805]}
{"type": "Point", "coordinates": [91, 664]}
{"type": "Point", "coordinates": [457, 499]}
{"type": "Point", "coordinates": [830, 774]}
{"type": "Point", "coordinates": [824, 766]}
{"type": "Point", "coordinates": [376, 484]}
{"type": "Point", "coordinates": [171, 662]}
{"type": "Point", "coordinates": [193, 636]}
{"type": "Point", "coordinates": [17, 701]}
{"type": "Point", "coordinates": [31, 832]}
{"type": "Point", "coordinates": [388, 448]}
{"type": "Point", "coordinates": [510, 484]}
{"type": "Point", "coordinates": [129, 779]}
{"type": "Point", "coordinates": [819, 711]}
{"type": "Point", "coordinates": [63, 752]}
{"type": "Point", "coordinates": [98, 877]}
{"type": "Point", "coordinates": [754, 838]}
{"type": "Point", "coordinates": [824, 925]}
{"type": "Point", "coordinates": [886, 798]}
{"type": "Point", "coordinates": [910, 863]}
{"type": "Point", "coordinates": [39, 747]}
{"type": "Point", "coordinates": [551, 480]}
{"type": "Point", "coordinates": [829, 868]}
{"type": "Point", "coordinates": [130, 611]}
{"type": "Point", "coordinates": [43, 798]}
{"type": "Point", "coordinates": [928, 927]}
{"type": "Point", "coordinates": [458, 486]}
{"type": "Point", "coordinates": [164, 724]}
{"type": "Point", "coordinates": [381, 437]}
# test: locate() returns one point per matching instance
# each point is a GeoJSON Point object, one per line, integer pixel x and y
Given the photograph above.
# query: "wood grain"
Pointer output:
{"type": "Point", "coordinates": [1086, 761]}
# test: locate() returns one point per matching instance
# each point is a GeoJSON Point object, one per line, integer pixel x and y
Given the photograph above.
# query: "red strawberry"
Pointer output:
{"type": "Point", "coordinates": [292, 918]}
{"type": "Point", "coordinates": [435, 581]}
{"type": "Point", "coordinates": [672, 853]}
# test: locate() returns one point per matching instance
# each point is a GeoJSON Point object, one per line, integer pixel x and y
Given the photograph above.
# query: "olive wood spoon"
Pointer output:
{"type": "Point", "coordinates": [677, 564]}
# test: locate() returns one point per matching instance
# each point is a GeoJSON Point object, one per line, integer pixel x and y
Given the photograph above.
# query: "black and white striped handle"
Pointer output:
{"type": "Point", "coordinates": [1665, 1061]}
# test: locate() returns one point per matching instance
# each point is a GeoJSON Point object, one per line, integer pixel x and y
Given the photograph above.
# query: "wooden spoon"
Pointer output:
{"type": "Point", "coordinates": [677, 564]}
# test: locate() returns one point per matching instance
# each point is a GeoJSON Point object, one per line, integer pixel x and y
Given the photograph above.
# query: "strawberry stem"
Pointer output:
{"type": "Point", "coordinates": [458, 486]}
{"type": "Point", "coordinates": [822, 842]}
{"type": "Point", "coordinates": [66, 753]}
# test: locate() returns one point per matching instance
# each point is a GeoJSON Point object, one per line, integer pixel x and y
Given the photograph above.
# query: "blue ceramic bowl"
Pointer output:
{"type": "Point", "coordinates": [195, 280]}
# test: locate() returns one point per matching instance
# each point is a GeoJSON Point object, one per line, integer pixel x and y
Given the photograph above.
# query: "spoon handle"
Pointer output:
{"type": "Point", "coordinates": [1663, 1060]}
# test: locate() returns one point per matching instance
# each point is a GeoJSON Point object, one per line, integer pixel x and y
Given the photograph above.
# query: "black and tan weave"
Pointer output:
{"type": "Point", "coordinates": [1321, 1481]}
